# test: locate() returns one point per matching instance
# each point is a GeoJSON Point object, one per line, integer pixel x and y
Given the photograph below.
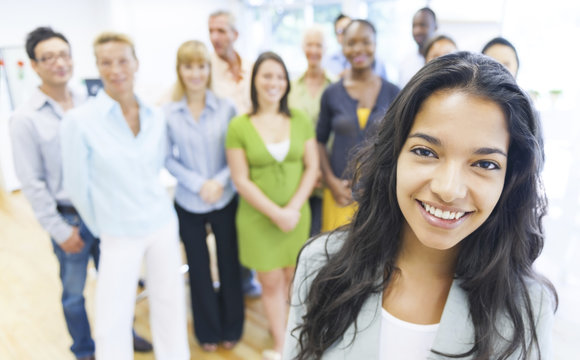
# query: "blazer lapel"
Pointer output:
{"type": "Point", "coordinates": [367, 342]}
{"type": "Point", "coordinates": [455, 333]}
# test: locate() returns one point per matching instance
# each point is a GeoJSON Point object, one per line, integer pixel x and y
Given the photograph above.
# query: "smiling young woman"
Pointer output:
{"type": "Point", "coordinates": [453, 162]}
{"type": "Point", "coordinates": [274, 165]}
{"type": "Point", "coordinates": [197, 122]}
{"type": "Point", "coordinates": [349, 111]}
{"type": "Point", "coordinates": [437, 261]}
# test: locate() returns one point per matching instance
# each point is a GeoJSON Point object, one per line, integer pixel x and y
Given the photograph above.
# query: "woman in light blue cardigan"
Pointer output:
{"type": "Point", "coordinates": [113, 150]}
{"type": "Point", "coordinates": [437, 262]}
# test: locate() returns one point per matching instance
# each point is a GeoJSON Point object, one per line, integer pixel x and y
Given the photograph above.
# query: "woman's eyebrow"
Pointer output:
{"type": "Point", "coordinates": [430, 139]}
{"type": "Point", "coordinates": [489, 151]}
{"type": "Point", "coordinates": [435, 141]}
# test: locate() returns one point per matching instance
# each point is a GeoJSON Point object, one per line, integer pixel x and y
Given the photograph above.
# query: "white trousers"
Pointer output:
{"type": "Point", "coordinates": [119, 269]}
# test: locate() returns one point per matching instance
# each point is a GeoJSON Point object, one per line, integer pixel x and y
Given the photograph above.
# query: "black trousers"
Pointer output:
{"type": "Point", "coordinates": [316, 211]}
{"type": "Point", "coordinates": [217, 316]}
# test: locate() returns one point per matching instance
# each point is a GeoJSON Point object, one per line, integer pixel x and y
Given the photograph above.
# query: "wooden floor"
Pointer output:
{"type": "Point", "coordinates": [32, 325]}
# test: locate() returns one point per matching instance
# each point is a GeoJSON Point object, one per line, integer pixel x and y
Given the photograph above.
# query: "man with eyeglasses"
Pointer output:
{"type": "Point", "coordinates": [35, 133]}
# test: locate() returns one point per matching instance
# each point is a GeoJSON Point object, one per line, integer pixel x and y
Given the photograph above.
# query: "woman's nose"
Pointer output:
{"type": "Point", "coordinates": [448, 182]}
{"type": "Point", "coordinates": [358, 46]}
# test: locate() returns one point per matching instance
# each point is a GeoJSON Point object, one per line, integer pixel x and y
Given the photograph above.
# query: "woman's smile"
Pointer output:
{"type": "Point", "coordinates": [442, 216]}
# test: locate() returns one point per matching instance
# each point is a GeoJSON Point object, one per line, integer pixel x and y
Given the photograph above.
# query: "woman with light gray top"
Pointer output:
{"type": "Point", "coordinates": [197, 122]}
{"type": "Point", "coordinates": [437, 262]}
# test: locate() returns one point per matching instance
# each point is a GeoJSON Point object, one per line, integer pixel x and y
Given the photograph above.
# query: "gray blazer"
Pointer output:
{"type": "Point", "coordinates": [455, 333]}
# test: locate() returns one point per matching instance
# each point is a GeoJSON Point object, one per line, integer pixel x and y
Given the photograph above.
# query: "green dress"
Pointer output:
{"type": "Point", "coordinates": [262, 245]}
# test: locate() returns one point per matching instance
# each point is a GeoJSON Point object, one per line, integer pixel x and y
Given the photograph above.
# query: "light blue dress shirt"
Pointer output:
{"type": "Point", "coordinates": [112, 176]}
{"type": "Point", "coordinates": [196, 151]}
{"type": "Point", "coordinates": [35, 135]}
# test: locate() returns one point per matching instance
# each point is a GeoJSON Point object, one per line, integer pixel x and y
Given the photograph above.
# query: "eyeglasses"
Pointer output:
{"type": "Point", "coordinates": [51, 59]}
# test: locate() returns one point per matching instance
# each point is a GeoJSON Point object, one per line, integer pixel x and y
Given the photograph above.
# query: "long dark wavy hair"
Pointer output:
{"type": "Point", "coordinates": [494, 264]}
{"type": "Point", "coordinates": [269, 55]}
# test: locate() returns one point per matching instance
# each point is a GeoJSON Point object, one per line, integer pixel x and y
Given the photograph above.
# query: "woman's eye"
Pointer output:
{"type": "Point", "coordinates": [487, 165]}
{"type": "Point", "coordinates": [423, 152]}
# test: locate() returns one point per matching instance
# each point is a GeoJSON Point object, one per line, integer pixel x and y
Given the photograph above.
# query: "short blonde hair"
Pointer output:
{"type": "Point", "coordinates": [192, 51]}
{"type": "Point", "coordinates": [111, 36]}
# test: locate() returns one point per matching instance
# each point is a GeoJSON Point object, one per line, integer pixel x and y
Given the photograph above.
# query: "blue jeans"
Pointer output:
{"type": "Point", "coordinates": [73, 273]}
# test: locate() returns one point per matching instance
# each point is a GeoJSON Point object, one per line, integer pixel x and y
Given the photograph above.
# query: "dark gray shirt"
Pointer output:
{"type": "Point", "coordinates": [338, 116]}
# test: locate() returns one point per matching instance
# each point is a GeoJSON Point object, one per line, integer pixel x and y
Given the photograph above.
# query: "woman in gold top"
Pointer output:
{"type": "Point", "coordinates": [349, 109]}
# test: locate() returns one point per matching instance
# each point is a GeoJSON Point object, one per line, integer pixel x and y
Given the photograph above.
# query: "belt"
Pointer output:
{"type": "Point", "coordinates": [66, 209]}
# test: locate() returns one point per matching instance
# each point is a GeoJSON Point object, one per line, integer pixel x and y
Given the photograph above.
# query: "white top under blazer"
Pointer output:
{"type": "Point", "coordinates": [454, 335]}
{"type": "Point", "coordinates": [402, 340]}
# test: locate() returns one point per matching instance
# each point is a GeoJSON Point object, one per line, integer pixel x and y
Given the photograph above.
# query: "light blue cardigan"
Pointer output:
{"type": "Point", "coordinates": [455, 333]}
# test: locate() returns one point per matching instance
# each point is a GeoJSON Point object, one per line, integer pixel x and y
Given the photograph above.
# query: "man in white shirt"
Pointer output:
{"type": "Point", "coordinates": [424, 26]}
{"type": "Point", "coordinates": [230, 78]}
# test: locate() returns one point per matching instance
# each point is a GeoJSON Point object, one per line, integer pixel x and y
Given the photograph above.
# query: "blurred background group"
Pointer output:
{"type": "Point", "coordinates": [541, 31]}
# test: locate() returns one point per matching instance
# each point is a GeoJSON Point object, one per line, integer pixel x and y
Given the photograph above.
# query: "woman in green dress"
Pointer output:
{"type": "Point", "coordinates": [273, 161]}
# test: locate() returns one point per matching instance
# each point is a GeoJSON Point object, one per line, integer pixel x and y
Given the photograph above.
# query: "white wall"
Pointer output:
{"type": "Point", "coordinates": [157, 27]}
{"type": "Point", "coordinates": [79, 20]}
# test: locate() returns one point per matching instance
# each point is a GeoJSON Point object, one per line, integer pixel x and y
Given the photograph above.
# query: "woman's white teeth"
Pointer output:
{"type": "Point", "coordinates": [446, 215]}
